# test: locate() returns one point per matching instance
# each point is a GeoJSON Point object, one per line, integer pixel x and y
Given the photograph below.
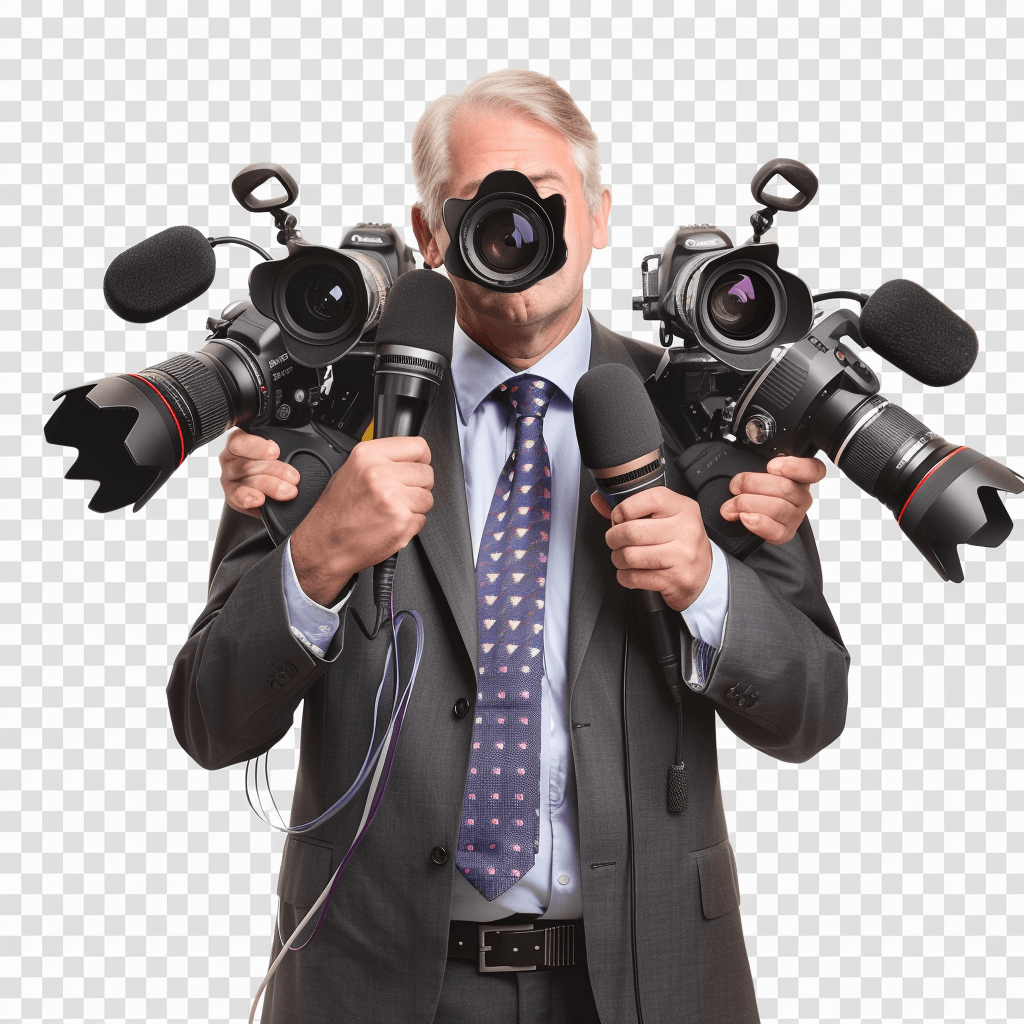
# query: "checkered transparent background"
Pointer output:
{"type": "Point", "coordinates": [877, 878]}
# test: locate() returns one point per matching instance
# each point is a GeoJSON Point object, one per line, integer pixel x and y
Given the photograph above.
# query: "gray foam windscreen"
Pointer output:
{"type": "Point", "coordinates": [615, 420]}
{"type": "Point", "coordinates": [159, 275]}
{"type": "Point", "coordinates": [911, 328]}
{"type": "Point", "coordinates": [420, 311]}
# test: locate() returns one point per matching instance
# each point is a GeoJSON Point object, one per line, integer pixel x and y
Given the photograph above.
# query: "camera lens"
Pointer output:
{"type": "Point", "coordinates": [326, 298]}
{"type": "Point", "coordinates": [318, 299]}
{"type": "Point", "coordinates": [506, 241]}
{"type": "Point", "coordinates": [741, 304]}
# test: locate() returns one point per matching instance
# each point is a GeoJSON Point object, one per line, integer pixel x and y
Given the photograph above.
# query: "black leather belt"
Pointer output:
{"type": "Point", "coordinates": [539, 945]}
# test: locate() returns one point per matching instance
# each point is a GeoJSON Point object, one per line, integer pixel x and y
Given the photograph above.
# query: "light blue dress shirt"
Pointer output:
{"type": "Point", "coordinates": [486, 436]}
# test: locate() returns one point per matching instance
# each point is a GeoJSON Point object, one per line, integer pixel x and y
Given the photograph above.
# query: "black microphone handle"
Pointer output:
{"type": "Point", "coordinates": [663, 624]}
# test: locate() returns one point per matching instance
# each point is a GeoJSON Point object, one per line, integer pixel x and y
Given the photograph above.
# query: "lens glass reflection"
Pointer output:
{"type": "Point", "coordinates": [506, 241]}
{"type": "Point", "coordinates": [741, 304]}
{"type": "Point", "coordinates": [319, 299]}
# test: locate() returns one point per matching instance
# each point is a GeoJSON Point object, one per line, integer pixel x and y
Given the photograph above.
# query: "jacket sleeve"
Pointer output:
{"type": "Point", "coordinates": [238, 679]}
{"type": "Point", "coordinates": [779, 680]}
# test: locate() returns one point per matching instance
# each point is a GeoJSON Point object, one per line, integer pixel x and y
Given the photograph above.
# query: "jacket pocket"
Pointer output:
{"type": "Point", "coordinates": [305, 870]}
{"type": "Point", "coordinates": [719, 881]}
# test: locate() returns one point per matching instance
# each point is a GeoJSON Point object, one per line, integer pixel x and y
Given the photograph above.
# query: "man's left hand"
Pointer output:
{"type": "Point", "coordinates": [657, 537]}
{"type": "Point", "coordinates": [773, 504]}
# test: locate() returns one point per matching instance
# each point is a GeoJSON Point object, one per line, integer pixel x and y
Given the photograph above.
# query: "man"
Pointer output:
{"type": "Point", "coordinates": [654, 893]}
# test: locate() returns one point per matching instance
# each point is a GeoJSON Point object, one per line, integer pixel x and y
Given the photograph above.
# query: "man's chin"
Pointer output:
{"type": "Point", "coordinates": [532, 306]}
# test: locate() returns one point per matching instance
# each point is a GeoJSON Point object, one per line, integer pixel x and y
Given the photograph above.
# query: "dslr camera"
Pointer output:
{"type": "Point", "coordinates": [763, 371]}
{"type": "Point", "coordinates": [295, 363]}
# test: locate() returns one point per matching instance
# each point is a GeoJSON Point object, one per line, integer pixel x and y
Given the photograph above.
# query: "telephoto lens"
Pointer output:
{"type": "Point", "coordinates": [820, 395]}
{"type": "Point", "coordinates": [134, 430]}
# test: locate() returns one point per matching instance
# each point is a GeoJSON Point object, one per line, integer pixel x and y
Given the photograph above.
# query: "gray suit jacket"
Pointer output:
{"type": "Point", "coordinates": [380, 955]}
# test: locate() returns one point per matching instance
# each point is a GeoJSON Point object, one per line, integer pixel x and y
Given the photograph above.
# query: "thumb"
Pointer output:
{"type": "Point", "coordinates": [598, 500]}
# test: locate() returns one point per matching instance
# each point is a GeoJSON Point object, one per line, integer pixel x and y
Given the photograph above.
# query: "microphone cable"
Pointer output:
{"type": "Point", "coordinates": [381, 766]}
{"type": "Point", "coordinates": [629, 814]}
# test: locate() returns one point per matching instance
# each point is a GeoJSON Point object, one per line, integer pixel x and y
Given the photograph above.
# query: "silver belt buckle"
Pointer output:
{"type": "Point", "coordinates": [484, 948]}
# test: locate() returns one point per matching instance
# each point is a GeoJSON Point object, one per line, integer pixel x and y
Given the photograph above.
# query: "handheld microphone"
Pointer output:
{"type": "Point", "coordinates": [413, 354]}
{"type": "Point", "coordinates": [917, 333]}
{"type": "Point", "coordinates": [620, 443]}
{"type": "Point", "coordinates": [159, 275]}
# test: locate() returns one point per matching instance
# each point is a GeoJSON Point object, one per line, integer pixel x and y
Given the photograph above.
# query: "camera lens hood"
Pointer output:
{"type": "Point", "coordinates": [506, 237]}
{"type": "Point", "coordinates": [323, 299]}
{"type": "Point", "coordinates": [788, 313]}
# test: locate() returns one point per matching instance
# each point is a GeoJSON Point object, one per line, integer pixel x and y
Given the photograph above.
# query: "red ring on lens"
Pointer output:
{"type": "Point", "coordinates": [962, 448]}
{"type": "Point", "coordinates": [181, 439]}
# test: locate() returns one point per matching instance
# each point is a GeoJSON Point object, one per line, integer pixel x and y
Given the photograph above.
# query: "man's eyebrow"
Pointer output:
{"type": "Point", "coordinates": [534, 178]}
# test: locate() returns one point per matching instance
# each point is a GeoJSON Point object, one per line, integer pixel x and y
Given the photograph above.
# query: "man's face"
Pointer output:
{"type": "Point", "coordinates": [483, 142]}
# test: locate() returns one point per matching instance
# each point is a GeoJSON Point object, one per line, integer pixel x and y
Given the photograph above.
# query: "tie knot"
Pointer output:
{"type": "Point", "coordinates": [528, 396]}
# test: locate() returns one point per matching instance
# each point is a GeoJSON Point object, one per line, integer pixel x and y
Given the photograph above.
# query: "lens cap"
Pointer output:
{"type": "Point", "coordinates": [506, 237]}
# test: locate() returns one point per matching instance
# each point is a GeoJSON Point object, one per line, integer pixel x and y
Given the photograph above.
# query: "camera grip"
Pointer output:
{"type": "Point", "coordinates": [317, 452]}
{"type": "Point", "coordinates": [708, 468]}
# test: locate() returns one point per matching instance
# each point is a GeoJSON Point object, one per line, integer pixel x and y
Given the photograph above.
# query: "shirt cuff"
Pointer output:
{"type": "Point", "coordinates": [705, 618]}
{"type": "Point", "coordinates": [311, 624]}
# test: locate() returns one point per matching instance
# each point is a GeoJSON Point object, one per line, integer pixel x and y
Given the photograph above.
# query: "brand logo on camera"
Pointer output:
{"type": "Point", "coordinates": [703, 242]}
{"type": "Point", "coordinates": [373, 239]}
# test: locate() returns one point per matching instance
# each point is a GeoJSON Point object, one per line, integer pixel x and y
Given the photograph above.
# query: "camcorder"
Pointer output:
{"type": "Point", "coordinates": [295, 363]}
{"type": "Point", "coordinates": [761, 370]}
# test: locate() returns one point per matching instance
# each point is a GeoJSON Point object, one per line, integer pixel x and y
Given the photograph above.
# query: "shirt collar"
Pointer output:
{"type": "Point", "coordinates": [476, 373]}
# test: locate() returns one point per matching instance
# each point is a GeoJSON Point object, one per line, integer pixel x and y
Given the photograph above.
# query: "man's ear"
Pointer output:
{"type": "Point", "coordinates": [429, 249]}
{"type": "Point", "coordinates": [601, 220]}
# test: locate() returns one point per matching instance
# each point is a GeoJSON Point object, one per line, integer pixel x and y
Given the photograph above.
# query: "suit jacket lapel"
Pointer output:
{"type": "Point", "coordinates": [446, 538]}
{"type": "Point", "coordinates": [592, 570]}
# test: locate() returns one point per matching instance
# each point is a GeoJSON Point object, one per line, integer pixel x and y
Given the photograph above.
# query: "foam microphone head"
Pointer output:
{"type": "Point", "coordinates": [615, 420]}
{"type": "Point", "coordinates": [413, 351]}
{"type": "Point", "coordinates": [916, 332]}
{"type": "Point", "coordinates": [618, 432]}
{"type": "Point", "coordinates": [159, 275]}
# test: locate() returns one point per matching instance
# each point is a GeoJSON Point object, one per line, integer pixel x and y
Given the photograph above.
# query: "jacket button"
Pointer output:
{"type": "Point", "coordinates": [461, 707]}
{"type": "Point", "coordinates": [438, 854]}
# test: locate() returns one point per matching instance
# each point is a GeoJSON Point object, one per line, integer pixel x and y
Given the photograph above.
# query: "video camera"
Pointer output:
{"type": "Point", "coordinates": [763, 372]}
{"type": "Point", "coordinates": [270, 365]}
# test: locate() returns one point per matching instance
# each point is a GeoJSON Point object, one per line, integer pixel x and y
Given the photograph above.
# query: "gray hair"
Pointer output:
{"type": "Point", "coordinates": [518, 92]}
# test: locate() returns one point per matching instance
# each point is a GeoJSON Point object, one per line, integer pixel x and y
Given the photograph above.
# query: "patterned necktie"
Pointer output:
{"type": "Point", "coordinates": [498, 835]}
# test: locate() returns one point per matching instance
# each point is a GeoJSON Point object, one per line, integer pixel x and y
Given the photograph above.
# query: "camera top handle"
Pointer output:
{"type": "Point", "coordinates": [248, 179]}
{"type": "Point", "coordinates": [799, 175]}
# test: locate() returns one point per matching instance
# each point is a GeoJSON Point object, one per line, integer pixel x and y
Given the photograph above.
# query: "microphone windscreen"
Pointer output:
{"type": "Point", "coordinates": [615, 419]}
{"type": "Point", "coordinates": [419, 311]}
{"type": "Point", "coordinates": [159, 275]}
{"type": "Point", "coordinates": [916, 332]}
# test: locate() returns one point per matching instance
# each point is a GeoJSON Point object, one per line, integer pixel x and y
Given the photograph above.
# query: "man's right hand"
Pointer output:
{"type": "Point", "coordinates": [371, 508]}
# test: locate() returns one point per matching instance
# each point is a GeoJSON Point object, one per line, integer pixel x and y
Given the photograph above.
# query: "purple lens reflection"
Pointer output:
{"type": "Point", "coordinates": [743, 289]}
